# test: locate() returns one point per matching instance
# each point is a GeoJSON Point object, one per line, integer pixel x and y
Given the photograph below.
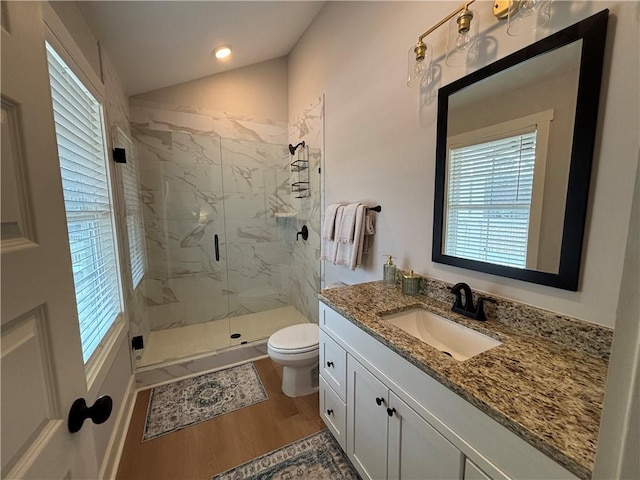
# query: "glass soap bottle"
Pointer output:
{"type": "Point", "coordinates": [411, 284]}
{"type": "Point", "coordinates": [389, 273]}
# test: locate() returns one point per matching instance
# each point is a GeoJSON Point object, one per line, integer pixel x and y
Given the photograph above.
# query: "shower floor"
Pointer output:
{"type": "Point", "coordinates": [172, 344]}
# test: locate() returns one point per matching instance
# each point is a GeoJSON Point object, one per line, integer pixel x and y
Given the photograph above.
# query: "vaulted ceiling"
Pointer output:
{"type": "Point", "coordinates": [155, 44]}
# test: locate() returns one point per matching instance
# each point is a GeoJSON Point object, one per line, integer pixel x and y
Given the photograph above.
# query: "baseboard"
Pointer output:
{"type": "Point", "coordinates": [109, 467]}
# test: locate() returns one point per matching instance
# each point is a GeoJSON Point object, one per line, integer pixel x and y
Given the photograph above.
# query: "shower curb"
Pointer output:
{"type": "Point", "coordinates": [167, 372]}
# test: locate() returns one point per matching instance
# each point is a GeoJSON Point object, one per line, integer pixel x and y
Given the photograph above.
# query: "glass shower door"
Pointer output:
{"type": "Point", "coordinates": [181, 181]}
{"type": "Point", "coordinates": [256, 186]}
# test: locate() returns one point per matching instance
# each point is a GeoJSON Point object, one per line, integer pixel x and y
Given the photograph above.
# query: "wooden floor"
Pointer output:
{"type": "Point", "coordinates": [211, 447]}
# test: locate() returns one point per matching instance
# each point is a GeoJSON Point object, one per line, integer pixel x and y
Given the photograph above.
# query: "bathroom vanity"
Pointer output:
{"type": "Point", "coordinates": [527, 408]}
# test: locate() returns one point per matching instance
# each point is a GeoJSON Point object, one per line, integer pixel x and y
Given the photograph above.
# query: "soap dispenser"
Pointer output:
{"type": "Point", "coordinates": [389, 273]}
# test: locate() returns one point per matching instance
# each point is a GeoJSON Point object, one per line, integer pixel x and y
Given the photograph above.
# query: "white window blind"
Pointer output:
{"type": "Point", "coordinates": [489, 200]}
{"type": "Point", "coordinates": [85, 183]}
{"type": "Point", "coordinates": [133, 208]}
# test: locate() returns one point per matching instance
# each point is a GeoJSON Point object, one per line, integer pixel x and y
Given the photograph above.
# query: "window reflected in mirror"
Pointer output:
{"type": "Point", "coordinates": [495, 192]}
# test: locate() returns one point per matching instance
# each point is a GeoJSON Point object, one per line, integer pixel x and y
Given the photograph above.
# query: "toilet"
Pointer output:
{"type": "Point", "coordinates": [296, 349]}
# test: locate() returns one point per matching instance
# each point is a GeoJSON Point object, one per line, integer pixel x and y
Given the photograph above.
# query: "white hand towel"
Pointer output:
{"type": "Point", "coordinates": [369, 225]}
{"type": "Point", "coordinates": [369, 231]}
{"type": "Point", "coordinates": [328, 227]}
{"type": "Point", "coordinates": [329, 247]}
{"type": "Point", "coordinates": [347, 254]}
{"type": "Point", "coordinates": [356, 252]}
{"type": "Point", "coordinates": [345, 229]}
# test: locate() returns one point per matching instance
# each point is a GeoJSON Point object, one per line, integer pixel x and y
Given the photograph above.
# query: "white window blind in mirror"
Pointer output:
{"type": "Point", "coordinates": [85, 182]}
{"type": "Point", "coordinates": [133, 207]}
{"type": "Point", "coordinates": [489, 192]}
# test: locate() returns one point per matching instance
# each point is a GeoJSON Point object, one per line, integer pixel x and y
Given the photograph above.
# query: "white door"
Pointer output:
{"type": "Point", "coordinates": [416, 450]}
{"type": "Point", "coordinates": [42, 367]}
{"type": "Point", "coordinates": [367, 401]}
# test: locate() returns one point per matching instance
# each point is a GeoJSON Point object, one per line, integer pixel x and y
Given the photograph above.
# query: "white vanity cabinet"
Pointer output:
{"type": "Point", "coordinates": [388, 439]}
{"type": "Point", "coordinates": [394, 421]}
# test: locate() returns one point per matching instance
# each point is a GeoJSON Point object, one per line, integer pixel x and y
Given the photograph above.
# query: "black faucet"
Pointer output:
{"type": "Point", "coordinates": [467, 308]}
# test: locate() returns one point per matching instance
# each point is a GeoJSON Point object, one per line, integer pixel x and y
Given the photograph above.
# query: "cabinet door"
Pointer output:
{"type": "Point", "coordinates": [471, 472]}
{"type": "Point", "coordinates": [416, 450]}
{"type": "Point", "coordinates": [367, 401]}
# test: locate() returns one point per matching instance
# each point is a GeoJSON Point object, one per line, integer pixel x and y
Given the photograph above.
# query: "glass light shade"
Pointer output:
{"type": "Point", "coordinates": [526, 16]}
{"type": "Point", "coordinates": [419, 70]}
{"type": "Point", "coordinates": [462, 44]}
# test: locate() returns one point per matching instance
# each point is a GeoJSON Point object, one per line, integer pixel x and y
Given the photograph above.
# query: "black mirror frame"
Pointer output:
{"type": "Point", "coordinates": [593, 32]}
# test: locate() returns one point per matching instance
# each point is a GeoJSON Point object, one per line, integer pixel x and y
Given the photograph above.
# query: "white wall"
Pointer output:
{"type": "Point", "coordinates": [619, 439]}
{"type": "Point", "coordinates": [83, 36]}
{"type": "Point", "coordinates": [380, 138]}
{"type": "Point", "coordinates": [258, 90]}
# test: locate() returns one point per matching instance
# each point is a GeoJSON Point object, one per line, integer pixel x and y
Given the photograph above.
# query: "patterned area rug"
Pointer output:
{"type": "Point", "coordinates": [317, 457]}
{"type": "Point", "coordinates": [187, 402]}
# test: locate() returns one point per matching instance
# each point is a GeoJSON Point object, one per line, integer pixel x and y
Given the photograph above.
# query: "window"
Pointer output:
{"type": "Point", "coordinates": [133, 207]}
{"type": "Point", "coordinates": [85, 182]}
{"type": "Point", "coordinates": [495, 187]}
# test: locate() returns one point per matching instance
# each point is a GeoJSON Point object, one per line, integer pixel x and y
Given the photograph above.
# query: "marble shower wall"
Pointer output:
{"type": "Point", "coordinates": [305, 272]}
{"type": "Point", "coordinates": [206, 173]}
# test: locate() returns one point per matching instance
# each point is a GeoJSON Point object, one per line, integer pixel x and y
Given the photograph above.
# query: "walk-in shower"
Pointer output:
{"type": "Point", "coordinates": [224, 265]}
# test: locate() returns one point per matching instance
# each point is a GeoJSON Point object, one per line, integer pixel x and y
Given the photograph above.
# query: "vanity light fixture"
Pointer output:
{"type": "Point", "coordinates": [420, 61]}
{"type": "Point", "coordinates": [524, 17]}
{"type": "Point", "coordinates": [222, 52]}
{"type": "Point", "coordinates": [461, 40]}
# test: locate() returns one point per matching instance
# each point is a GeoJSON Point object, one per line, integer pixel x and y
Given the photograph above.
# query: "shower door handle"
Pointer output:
{"type": "Point", "coordinates": [216, 247]}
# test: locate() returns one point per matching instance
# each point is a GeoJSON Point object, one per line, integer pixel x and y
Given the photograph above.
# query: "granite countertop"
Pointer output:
{"type": "Point", "coordinates": [547, 393]}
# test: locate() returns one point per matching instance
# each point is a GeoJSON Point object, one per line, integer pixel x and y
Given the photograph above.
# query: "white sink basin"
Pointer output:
{"type": "Point", "coordinates": [447, 336]}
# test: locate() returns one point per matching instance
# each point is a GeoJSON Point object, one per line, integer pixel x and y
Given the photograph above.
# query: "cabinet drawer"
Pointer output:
{"type": "Point", "coordinates": [331, 321]}
{"type": "Point", "coordinates": [333, 412]}
{"type": "Point", "coordinates": [333, 364]}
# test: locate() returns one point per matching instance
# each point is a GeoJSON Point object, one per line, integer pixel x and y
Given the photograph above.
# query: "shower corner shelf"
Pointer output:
{"type": "Point", "coordinates": [286, 214]}
{"type": "Point", "coordinates": [299, 165]}
{"type": "Point", "coordinates": [302, 188]}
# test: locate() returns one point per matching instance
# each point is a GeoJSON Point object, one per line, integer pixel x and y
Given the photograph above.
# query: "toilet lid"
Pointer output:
{"type": "Point", "coordinates": [296, 337]}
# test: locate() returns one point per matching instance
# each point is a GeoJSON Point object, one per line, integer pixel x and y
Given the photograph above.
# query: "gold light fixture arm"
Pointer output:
{"type": "Point", "coordinates": [464, 6]}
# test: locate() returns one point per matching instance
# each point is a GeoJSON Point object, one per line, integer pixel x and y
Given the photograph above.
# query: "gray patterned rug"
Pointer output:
{"type": "Point", "coordinates": [187, 402]}
{"type": "Point", "coordinates": [316, 457]}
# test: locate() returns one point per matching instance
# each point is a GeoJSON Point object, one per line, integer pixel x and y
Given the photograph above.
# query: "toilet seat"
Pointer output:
{"type": "Point", "coordinates": [299, 338]}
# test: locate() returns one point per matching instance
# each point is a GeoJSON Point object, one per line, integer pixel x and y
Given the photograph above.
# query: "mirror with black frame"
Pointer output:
{"type": "Point", "coordinates": [514, 150]}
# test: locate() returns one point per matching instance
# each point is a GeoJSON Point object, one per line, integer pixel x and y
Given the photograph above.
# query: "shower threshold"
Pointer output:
{"type": "Point", "coordinates": [183, 351]}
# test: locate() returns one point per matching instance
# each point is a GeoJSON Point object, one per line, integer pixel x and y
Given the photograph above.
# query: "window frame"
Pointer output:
{"type": "Point", "coordinates": [122, 140]}
{"type": "Point", "coordinates": [56, 35]}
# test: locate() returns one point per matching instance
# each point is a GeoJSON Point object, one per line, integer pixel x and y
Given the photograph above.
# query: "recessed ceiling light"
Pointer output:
{"type": "Point", "coordinates": [222, 52]}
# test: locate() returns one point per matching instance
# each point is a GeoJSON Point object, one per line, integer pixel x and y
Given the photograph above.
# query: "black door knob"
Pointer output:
{"type": "Point", "coordinates": [379, 400]}
{"type": "Point", "coordinates": [329, 364]}
{"type": "Point", "coordinates": [391, 411]}
{"type": "Point", "coordinates": [99, 412]}
{"type": "Point", "coordinates": [329, 412]}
